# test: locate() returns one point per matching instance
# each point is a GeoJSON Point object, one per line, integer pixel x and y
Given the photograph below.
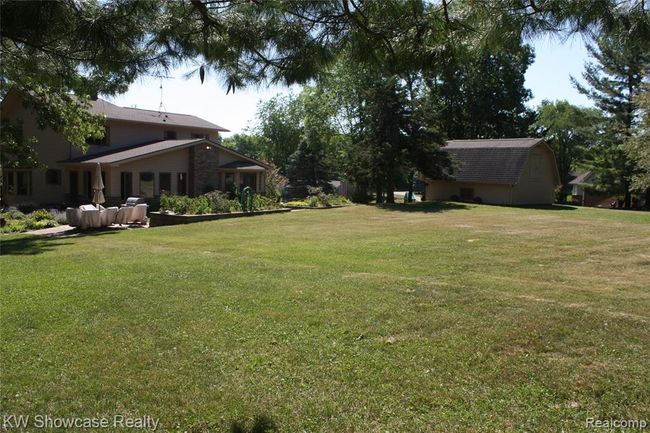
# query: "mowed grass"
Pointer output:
{"type": "Point", "coordinates": [432, 318]}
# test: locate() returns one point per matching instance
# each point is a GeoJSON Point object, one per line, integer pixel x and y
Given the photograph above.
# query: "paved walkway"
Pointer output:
{"type": "Point", "coordinates": [66, 230]}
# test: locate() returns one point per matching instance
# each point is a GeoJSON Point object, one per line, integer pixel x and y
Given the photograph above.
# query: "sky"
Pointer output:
{"type": "Point", "coordinates": [548, 78]}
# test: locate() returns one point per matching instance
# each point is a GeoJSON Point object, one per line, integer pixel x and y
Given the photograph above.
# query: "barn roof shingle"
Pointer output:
{"type": "Point", "coordinates": [499, 161]}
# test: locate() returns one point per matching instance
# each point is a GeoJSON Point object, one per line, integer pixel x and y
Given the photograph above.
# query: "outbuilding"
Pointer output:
{"type": "Point", "coordinates": [514, 171]}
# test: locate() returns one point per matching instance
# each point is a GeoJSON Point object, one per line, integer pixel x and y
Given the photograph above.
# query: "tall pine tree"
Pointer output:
{"type": "Point", "coordinates": [613, 81]}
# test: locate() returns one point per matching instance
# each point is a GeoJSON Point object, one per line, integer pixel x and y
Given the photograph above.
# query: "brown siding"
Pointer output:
{"type": "Point", "coordinates": [489, 193]}
{"type": "Point", "coordinates": [538, 179]}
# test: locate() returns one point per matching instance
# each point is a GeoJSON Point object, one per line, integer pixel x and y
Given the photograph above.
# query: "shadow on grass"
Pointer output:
{"type": "Point", "coordinates": [31, 245]}
{"type": "Point", "coordinates": [425, 207]}
{"type": "Point", "coordinates": [550, 207]}
{"type": "Point", "coordinates": [261, 424]}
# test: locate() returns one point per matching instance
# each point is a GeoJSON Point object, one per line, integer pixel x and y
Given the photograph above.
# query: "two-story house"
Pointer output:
{"type": "Point", "coordinates": [144, 153]}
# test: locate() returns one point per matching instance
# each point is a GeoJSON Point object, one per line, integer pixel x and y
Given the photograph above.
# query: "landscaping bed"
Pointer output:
{"type": "Point", "coordinates": [14, 221]}
{"type": "Point", "coordinates": [157, 219]}
{"type": "Point", "coordinates": [289, 206]}
{"type": "Point", "coordinates": [319, 201]}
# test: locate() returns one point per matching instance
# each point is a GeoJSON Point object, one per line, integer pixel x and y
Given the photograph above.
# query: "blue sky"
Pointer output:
{"type": "Point", "coordinates": [548, 78]}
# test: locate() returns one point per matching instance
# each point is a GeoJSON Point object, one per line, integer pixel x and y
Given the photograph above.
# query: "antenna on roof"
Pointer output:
{"type": "Point", "coordinates": [161, 107]}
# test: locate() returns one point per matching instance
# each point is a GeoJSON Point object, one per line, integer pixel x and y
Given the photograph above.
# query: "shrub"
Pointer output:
{"type": "Point", "coordinates": [198, 205]}
{"type": "Point", "coordinates": [17, 222]}
{"type": "Point", "coordinates": [478, 200]}
{"type": "Point", "coordinates": [274, 182]}
{"type": "Point", "coordinates": [182, 204]}
{"type": "Point", "coordinates": [59, 216]}
{"type": "Point", "coordinates": [261, 202]}
{"type": "Point", "coordinates": [14, 226]}
{"type": "Point", "coordinates": [220, 203]}
{"type": "Point", "coordinates": [33, 224]}
{"type": "Point", "coordinates": [13, 214]}
{"type": "Point", "coordinates": [41, 215]}
{"type": "Point", "coordinates": [338, 200]}
{"type": "Point", "coordinates": [321, 200]}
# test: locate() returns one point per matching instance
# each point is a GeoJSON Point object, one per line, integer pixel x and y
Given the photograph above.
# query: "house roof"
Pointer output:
{"type": "Point", "coordinates": [114, 112]}
{"type": "Point", "coordinates": [121, 154]}
{"type": "Point", "coordinates": [498, 161]}
{"type": "Point", "coordinates": [126, 153]}
{"type": "Point", "coordinates": [243, 166]}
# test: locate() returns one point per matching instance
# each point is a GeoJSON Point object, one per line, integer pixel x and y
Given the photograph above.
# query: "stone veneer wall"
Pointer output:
{"type": "Point", "coordinates": [203, 166]}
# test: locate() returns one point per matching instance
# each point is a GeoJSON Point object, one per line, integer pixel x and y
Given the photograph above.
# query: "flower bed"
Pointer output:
{"type": "Point", "coordinates": [213, 202]}
{"type": "Point", "coordinates": [320, 201]}
{"type": "Point", "coordinates": [175, 209]}
{"type": "Point", "coordinates": [15, 221]}
{"type": "Point", "coordinates": [157, 219]}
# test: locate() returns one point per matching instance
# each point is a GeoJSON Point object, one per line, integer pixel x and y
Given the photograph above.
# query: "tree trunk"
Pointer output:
{"type": "Point", "coordinates": [379, 195]}
{"type": "Point", "coordinates": [647, 198]}
{"type": "Point", "coordinates": [627, 201]}
{"type": "Point", "coordinates": [390, 187]}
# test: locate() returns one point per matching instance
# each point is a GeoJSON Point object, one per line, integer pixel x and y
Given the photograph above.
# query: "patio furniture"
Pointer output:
{"type": "Point", "coordinates": [90, 217]}
{"type": "Point", "coordinates": [123, 215]}
{"type": "Point", "coordinates": [139, 213]}
{"type": "Point", "coordinates": [108, 216]}
{"type": "Point", "coordinates": [133, 201]}
{"type": "Point", "coordinates": [73, 216]}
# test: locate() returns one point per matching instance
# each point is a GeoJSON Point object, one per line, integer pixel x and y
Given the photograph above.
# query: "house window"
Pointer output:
{"type": "Point", "coordinates": [87, 184]}
{"type": "Point", "coordinates": [102, 141]}
{"type": "Point", "coordinates": [146, 184]}
{"type": "Point", "coordinates": [24, 182]}
{"type": "Point", "coordinates": [197, 135]}
{"type": "Point", "coordinates": [126, 184]}
{"type": "Point", "coordinates": [165, 183]}
{"type": "Point", "coordinates": [181, 184]}
{"type": "Point", "coordinates": [53, 177]}
{"type": "Point", "coordinates": [74, 185]}
{"type": "Point", "coordinates": [170, 135]}
{"type": "Point", "coordinates": [8, 182]}
{"type": "Point", "coordinates": [466, 193]}
{"type": "Point", "coordinates": [229, 181]}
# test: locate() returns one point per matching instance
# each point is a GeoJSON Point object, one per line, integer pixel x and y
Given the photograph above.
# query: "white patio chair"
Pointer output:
{"type": "Point", "coordinates": [73, 216]}
{"type": "Point", "coordinates": [90, 218]}
{"type": "Point", "coordinates": [108, 216]}
{"type": "Point", "coordinates": [139, 213]}
{"type": "Point", "coordinates": [123, 215]}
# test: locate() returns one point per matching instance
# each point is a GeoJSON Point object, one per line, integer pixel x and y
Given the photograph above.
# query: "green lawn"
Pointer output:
{"type": "Point", "coordinates": [438, 318]}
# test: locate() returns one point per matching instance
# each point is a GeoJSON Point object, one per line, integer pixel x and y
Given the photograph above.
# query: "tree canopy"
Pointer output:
{"type": "Point", "coordinates": [58, 54]}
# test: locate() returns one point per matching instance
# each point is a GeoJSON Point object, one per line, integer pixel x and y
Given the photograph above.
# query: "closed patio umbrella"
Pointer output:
{"type": "Point", "coordinates": [98, 187]}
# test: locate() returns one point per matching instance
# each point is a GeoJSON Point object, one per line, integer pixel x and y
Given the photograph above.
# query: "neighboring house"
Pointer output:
{"type": "Point", "coordinates": [517, 171]}
{"type": "Point", "coordinates": [144, 153]}
{"type": "Point", "coordinates": [582, 195]}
